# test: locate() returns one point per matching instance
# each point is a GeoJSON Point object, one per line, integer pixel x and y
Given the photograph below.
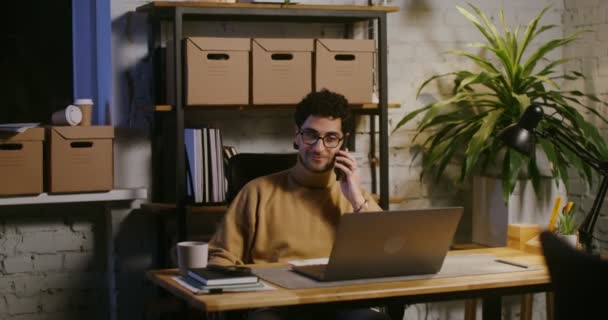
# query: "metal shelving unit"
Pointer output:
{"type": "Point", "coordinates": [177, 13]}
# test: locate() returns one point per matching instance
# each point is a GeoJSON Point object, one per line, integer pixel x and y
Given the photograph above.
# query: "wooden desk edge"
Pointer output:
{"type": "Point", "coordinates": [370, 291]}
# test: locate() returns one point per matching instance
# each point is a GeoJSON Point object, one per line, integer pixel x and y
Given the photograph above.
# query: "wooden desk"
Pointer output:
{"type": "Point", "coordinates": [489, 287]}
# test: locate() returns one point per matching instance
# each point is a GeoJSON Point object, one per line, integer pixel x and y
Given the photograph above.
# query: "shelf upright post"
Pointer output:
{"type": "Point", "coordinates": [180, 158]}
{"type": "Point", "coordinates": [371, 156]}
{"type": "Point", "coordinates": [383, 106]}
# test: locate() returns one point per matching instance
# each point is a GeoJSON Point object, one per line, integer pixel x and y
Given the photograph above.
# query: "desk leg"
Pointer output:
{"type": "Point", "coordinates": [550, 305]}
{"type": "Point", "coordinates": [527, 303]}
{"type": "Point", "coordinates": [213, 316]}
{"type": "Point", "coordinates": [491, 308]}
{"type": "Point", "coordinates": [470, 309]}
{"type": "Point", "coordinates": [395, 310]}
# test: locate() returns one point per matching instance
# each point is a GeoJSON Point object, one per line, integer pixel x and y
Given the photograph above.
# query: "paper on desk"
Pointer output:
{"type": "Point", "coordinates": [196, 289]}
{"type": "Point", "coordinates": [16, 127]}
{"type": "Point", "coordinates": [306, 262]}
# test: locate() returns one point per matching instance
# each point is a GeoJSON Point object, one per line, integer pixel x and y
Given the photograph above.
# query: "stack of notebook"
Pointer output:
{"type": "Point", "coordinates": [224, 279]}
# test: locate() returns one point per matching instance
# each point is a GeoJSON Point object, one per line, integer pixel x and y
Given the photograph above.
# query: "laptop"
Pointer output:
{"type": "Point", "coordinates": [387, 244]}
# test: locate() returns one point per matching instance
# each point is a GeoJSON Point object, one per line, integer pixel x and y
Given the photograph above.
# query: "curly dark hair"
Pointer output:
{"type": "Point", "coordinates": [324, 103]}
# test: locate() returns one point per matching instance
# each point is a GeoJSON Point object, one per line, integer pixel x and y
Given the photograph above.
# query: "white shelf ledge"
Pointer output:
{"type": "Point", "coordinates": [112, 195]}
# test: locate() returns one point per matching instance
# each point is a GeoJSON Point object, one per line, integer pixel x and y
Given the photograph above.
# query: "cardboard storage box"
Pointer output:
{"type": "Point", "coordinates": [345, 66]}
{"type": "Point", "coordinates": [80, 159]}
{"type": "Point", "coordinates": [21, 163]}
{"type": "Point", "coordinates": [282, 70]}
{"type": "Point", "coordinates": [216, 71]}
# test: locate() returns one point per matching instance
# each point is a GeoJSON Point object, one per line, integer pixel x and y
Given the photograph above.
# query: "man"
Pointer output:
{"type": "Point", "coordinates": [293, 214]}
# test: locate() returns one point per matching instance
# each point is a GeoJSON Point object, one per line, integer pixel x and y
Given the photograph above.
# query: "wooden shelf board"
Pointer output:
{"type": "Point", "coordinates": [44, 198]}
{"type": "Point", "coordinates": [168, 208]}
{"type": "Point", "coordinates": [168, 108]}
{"type": "Point", "coordinates": [200, 4]}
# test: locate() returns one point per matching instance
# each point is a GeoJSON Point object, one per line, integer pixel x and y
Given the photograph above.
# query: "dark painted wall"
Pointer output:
{"type": "Point", "coordinates": [36, 60]}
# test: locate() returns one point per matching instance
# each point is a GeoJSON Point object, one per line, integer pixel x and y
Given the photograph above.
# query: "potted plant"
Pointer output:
{"type": "Point", "coordinates": [567, 226]}
{"type": "Point", "coordinates": [487, 100]}
{"type": "Point", "coordinates": [463, 127]}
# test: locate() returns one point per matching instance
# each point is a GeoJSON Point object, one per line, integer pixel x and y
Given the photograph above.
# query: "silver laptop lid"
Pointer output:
{"type": "Point", "coordinates": [392, 243]}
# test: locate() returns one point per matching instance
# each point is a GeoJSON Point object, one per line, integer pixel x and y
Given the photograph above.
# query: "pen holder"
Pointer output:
{"type": "Point", "coordinates": [518, 234]}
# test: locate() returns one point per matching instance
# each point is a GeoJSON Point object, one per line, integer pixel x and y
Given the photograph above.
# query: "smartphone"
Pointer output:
{"type": "Point", "coordinates": [340, 173]}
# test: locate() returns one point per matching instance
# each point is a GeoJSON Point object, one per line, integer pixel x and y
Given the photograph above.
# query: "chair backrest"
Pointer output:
{"type": "Point", "coordinates": [580, 280]}
{"type": "Point", "coordinates": [244, 167]}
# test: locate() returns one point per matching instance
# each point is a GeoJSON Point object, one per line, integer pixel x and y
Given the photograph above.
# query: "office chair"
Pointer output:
{"type": "Point", "coordinates": [579, 280]}
{"type": "Point", "coordinates": [244, 167]}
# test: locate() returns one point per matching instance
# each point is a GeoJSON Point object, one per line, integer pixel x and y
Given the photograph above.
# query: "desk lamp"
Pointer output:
{"type": "Point", "coordinates": [521, 136]}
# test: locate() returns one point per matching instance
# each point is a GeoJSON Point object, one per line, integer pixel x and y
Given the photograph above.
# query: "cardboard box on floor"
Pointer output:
{"type": "Point", "coordinates": [281, 70]}
{"type": "Point", "coordinates": [216, 71]}
{"type": "Point", "coordinates": [21, 159]}
{"type": "Point", "coordinates": [80, 159]}
{"type": "Point", "coordinates": [345, 66]}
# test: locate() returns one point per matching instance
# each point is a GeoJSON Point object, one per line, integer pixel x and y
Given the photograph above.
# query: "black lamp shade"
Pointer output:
{"type": "Point", "coordinates": [531, 117]}
{"type": "Point", "coordinates": [520, 136]}
{"type": "Point", "coordinates": [520, 139]}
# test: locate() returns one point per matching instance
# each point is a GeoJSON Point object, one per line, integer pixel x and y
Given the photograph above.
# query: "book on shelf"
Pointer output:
{"type": "Point", "coordinates": [206, 180]}
{"type": "Point", "coordinates": [229, 152]}
{"type": "Point", "coordinates": [215, 277]}
{"type": "Point", "coordinates": [192, 141]}
{"type": "Point", "coordinates": [205, 165]}
{"type": "Point", "coordinates": [214, 165]}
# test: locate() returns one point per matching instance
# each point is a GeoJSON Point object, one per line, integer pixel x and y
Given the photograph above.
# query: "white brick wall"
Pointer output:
{"type": "Point", "coordinates": [49, 268]}
{"type": "Point", "coordinates": [16, 264]}
{"type": "Point", "coordinates": [592, 59]}
{"type": "Point", "coordinates": [22, 305]}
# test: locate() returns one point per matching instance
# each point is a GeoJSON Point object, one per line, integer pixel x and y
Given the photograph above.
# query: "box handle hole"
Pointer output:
{"type": "Point", "coordinates": [282, 56]}
{"type": "Point", "coordinates": [218, 56]}
{"type": "Point", "coordinates": [81, 144]}
{"type": "Point", "coordinates": [11, 146]}
{"type": "Point", "coordinates": [344, 57]}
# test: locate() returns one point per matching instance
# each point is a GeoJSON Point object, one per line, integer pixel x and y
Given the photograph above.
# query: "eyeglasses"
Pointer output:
{"type": "Point", "coordinates": [310, 137]}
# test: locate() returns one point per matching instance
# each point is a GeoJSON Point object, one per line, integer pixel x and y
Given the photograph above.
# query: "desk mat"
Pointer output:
{"type": "Point", "coordinates": [453, 266]}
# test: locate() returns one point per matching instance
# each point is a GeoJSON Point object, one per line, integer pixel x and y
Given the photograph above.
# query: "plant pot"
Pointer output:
{"type": "Point", "coordinates": [491, 215]}
{"type": "Point", "coordinates": [571, 239]}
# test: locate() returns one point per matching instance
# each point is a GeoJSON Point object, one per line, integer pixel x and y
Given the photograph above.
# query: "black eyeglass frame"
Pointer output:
{"type": "Point", "coordinates": [322, 138]}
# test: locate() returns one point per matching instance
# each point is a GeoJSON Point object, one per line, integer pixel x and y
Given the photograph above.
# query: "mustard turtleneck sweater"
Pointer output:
{"type": "Point", "coordinates": [288, 215]}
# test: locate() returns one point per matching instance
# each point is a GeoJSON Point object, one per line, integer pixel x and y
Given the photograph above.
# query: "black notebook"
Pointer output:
{"type": "Point", "coordinates": [221, 277]}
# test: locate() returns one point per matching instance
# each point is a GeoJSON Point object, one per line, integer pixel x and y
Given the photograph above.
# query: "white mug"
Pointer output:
{"type": "Point", "coordinates": [191, 254]}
